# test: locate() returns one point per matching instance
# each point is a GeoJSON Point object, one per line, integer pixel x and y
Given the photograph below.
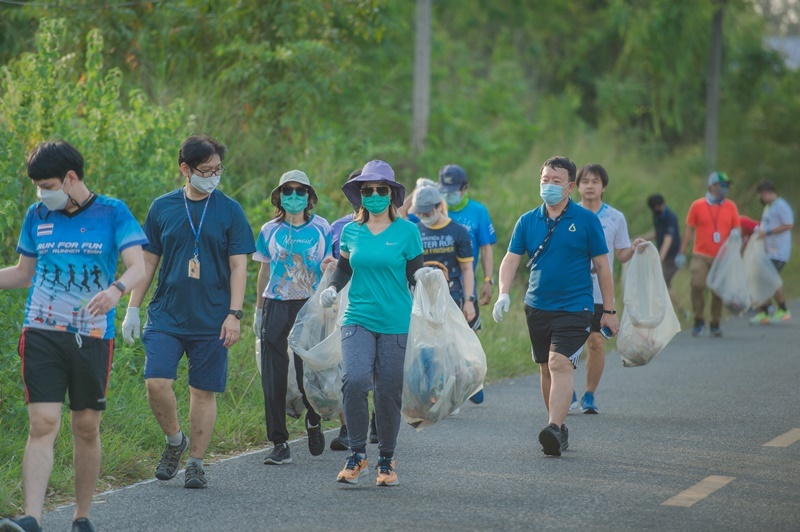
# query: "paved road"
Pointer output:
{"type": "Point", "coordinates": [700, 413]}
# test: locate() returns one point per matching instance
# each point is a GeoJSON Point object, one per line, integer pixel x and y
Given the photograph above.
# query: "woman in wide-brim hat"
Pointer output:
{"type": "Point", "coordinates": [292, 249]}
{"type": "Point", "coordinates": [379, 252]}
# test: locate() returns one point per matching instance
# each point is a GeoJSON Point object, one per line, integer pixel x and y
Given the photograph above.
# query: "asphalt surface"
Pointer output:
{"type": "Point", "coordinates": [704, 407]}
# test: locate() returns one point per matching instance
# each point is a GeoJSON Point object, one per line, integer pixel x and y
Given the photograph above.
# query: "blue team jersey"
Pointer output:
{"type": "Point", "coordinates": [561, 278]}
{"type": "Point", "coordinates": [181, 304]}
{"type": "Point", "coordinates": [475, 218]}
{"type": "Point", "coordinates": [295, 255]}
{"type": "Point", "coordinates": [76, 258]}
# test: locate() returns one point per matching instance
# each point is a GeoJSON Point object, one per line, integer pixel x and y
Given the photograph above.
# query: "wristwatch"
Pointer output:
{"type": "Point", "coordinates": [469, 298]}
{"type": "Point", "coordinates": [609, 311]}
{"type": "Point", "coordinates": [488, 280]}
{"type": "Point", "coordinates": [238, 314]}
{"type": "Point", "coordinates": [119, 286]}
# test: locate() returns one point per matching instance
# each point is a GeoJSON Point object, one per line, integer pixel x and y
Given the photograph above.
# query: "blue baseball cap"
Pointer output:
{"type": "Point", "coordinates": [452, 178]}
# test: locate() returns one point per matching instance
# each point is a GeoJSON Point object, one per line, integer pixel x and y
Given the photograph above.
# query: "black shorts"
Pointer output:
{"type": "Point", "coordinates": [779, 264]}
{"type": "Point", "coordinates": [475, 323]}
{"type": "Point", "coordinates": [597, 315]}
{"type": "Point", "coordinates": [560, 332]}
{"type": "Point", "coordinates": [669, 269]}
{"type": "Point", "coordinates": [53, 363]}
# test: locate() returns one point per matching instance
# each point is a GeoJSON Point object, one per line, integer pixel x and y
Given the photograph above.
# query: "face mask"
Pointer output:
{"type": "Point", "coordinates": [294, 204]}
{"type": "Point", "coordinates": [550, 193]}
{"type": "Point", "coordinates": [452, 198]}
{"type": "Point", "coordinates": [206, 185]}
{"type": "Point", "coordinates": [376, 204]}
{"type": "Point", "coordinates": [712, 199]}
{"type": "Point", "coordinates": [429, 221]}
{"type": "Point", "coordinates": [54, 200]}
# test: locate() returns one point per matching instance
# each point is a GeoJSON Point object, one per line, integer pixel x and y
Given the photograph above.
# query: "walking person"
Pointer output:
{"type": "Point", "coordinates": [201, 239]}
{"type": "Point", "coordinates": [667, 235]}
{"type": "Point", "coordinates": [708, 223]}
{"type": "Point", "coordinates": [592, 181]}
{"type": "Point", "coordinates": [776, 225]}
{"type": "Point", "coordinates": [379, 254]}
{"type": "Point", "coordinates": [564, 241]}
{"type": "Point", "coordinates": [292, 248]}
{"type": "Point", "coordinates": [68, 352]}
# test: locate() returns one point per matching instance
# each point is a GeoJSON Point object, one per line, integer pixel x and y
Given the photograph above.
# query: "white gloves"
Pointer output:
{"type": "Point", "coordinates": [501, 306]}
{"type": "Point", "coordinates": [257, 321]}
{"type": "Point", "coordinates": [680, 260]}
{"type": "Point", "coordinates": [328, 297]}
{"type": "Point", "coordinates": [131, 325]}
{"type": "Point", "coordinates": [422, 271]}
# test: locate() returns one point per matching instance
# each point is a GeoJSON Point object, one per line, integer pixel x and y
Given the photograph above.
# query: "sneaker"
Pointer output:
{"type": "Point", "coordinates": [587, 404]}
{"type": "Point", "coordinates": [171, 459]}
{"type": "Point", "coordinates": [574, 404]}
{"type": "Point", "coordinates": [341, 442]}
{"type": "Point", "coordinates": [762, 318]}
{"type": "Point", "coordinates": [716, 331]}
{"type": "Point", "coordinates": [699, 325]}
{"type": "Point", "coordinates": [316, 439]}
{"type": "Point", "coordinates": [564, 438]}
{"type": "Point", "coordinates": [195, 477]}
{"type": "Point", "coordinates": [386, 473]}
{"type": "Point", "coordinates": [780, 316]}
{"type": "Point", "coordinates": [280, 455]}
{"type": "Point", "coordinates": [373, 430]}
{"type": "Point", "coordinates": [477, 398]}
{"type": "Point", "coordinates": [355, 466]}
{"type": "Point", "coordinates": [550, 438]}
{"type": "Point", "coordinates": [25, 523]}
{"type": "Point", "coordinates": [82, 525]}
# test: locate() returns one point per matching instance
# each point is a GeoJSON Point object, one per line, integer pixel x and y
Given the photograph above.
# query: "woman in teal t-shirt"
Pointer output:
{"type": "Point", "coordinates": [379, 254]}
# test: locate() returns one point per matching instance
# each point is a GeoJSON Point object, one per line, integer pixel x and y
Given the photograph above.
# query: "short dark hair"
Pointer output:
{"type": "Point", "coordinates": [765, 185]}
{"type": "Point", "coordinates": [595, 169]}
{"type": "Point", "coordinates": [199, 148]}
{"type": "Point", "coordinates": [354, 174]}
{"type": "Point", "coordinates": [560, 162]}
{"type": "Point", "coordinates": [655, 200]}
{"type": "Point", "coordinates": [54, 159]}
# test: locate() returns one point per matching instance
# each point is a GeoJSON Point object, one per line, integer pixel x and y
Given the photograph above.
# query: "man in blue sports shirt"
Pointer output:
{"type": "Point", "coordinates": [564, 241]}
{"type": "Point", "coordinates": [67, 340]}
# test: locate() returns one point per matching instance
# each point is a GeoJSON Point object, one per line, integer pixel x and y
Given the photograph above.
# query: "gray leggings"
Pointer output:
{"type": "Point", "coordinates": [372, 358]}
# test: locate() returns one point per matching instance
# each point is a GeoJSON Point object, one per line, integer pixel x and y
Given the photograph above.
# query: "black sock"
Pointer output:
{"type": "Point", "coordinates": [782, 306]}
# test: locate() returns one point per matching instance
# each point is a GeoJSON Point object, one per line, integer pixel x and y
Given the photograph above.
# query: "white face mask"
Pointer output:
{"type": "Point", "coordinates": [206, 185]}
{"type": "Point", "coordinates": [54, 200]}
{"type": "Point", "coordinates": [429, 221]}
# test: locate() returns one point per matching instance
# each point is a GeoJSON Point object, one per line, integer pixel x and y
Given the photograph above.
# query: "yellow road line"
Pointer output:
{"type": "Point", "coordinates": [699, 491]}
{"type": "Point", "coordinates": [784, 440]}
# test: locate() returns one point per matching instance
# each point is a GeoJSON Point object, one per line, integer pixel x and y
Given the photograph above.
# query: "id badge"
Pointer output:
{"type": "Point", "coordinates": [716, 237]}
{"type": "Point", "coordinates": [194, 268]}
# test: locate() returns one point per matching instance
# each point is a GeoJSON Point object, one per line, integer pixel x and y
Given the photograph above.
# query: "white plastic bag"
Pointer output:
{"type": "Point", "coordinates": [648, 321]}
{"type": "Point", "coordinates": [294, 399]}
{"type": "Point", "coordinates": [324, 390]}
{"type": "Point", "coordinates": [445, 363]}
{"type": "Point", "coordinates": [763, 278]}
{"type": "Point", "coordinates": [726, 278]}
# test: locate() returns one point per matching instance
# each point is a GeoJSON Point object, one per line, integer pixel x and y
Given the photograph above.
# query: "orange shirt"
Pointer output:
{"type": "Point", "coordinates": [708, 219]}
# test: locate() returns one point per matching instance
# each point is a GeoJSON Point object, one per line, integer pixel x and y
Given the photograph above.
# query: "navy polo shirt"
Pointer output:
{"type": "Point", "coordinates": [561, 279]}
{"type": "Point", "coordinates": [666, 223]}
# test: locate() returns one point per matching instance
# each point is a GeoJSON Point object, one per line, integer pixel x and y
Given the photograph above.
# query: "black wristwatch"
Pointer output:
{"type": "Point", "coordinates": [609, 311]}
{"type": "Point", "coordinates": [469, 298]}
{"type": "Point", "coordinates": [238, 314]}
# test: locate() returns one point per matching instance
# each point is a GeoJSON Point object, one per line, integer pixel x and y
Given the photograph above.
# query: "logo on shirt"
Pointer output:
{"type": "Point", "coordinates": [44, 230]}
{"type": "Point", "coordinates": [391, 243]}
{"type": "Point", "coordinates": [572, 228]}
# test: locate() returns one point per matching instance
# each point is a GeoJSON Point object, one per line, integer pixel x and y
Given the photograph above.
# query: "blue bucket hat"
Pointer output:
{"type": "Point", "coordinates": [374, 171]}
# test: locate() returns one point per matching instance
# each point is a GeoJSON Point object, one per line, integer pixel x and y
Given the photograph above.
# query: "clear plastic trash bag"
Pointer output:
{"type": "Point", "coordinates": [648, 320]}
{"type": "Point", "coordinates": [445, 363]}
{"type": "Point", "coordinates": [324, 390]}
{"type": "Point", "coordinates": [294, 399]}
{"type": "Point", "coordinates": [726, 278]}
{"type": "Point", "coordinates": [763, 278]}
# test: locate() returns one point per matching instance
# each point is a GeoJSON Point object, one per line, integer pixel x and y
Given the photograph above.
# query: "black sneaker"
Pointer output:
{"type": "Point", "coordinates": [82, 525]}
{"type": "Point", "coordinates": [171, 460]}
{"type": "Point", "coordinates": [550, 438]}
{"type": "Point", "coordinates": [316, 439]}
{"type": "Point", "coordinates": [341, 442]}
{"type": "Point", "coordinates": [373, 430]}
{"type": "Point", "coordinates": [564, 438]}
{"type": "Point", "coordinates": [716, 331]}
{"type": "Point", "coordinates": [280, 455]}
{"type": "Point", "coordinates": [195, 478]}
{"type": "Point", "coordinates": [699, 325]}
{"type": "Point", "coordinates": [25, 523]}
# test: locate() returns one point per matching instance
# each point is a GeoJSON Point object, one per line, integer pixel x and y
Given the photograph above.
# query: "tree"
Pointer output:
{"type": "Point", "coordinates": [422, 76]}
{"type": "Point", "coordinates": [712, 89]}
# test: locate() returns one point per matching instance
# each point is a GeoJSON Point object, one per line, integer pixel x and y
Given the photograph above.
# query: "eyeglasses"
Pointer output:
{"type": "Point", "coordinates": [382, 190]}
{"type": "Point", "coordinates": [209, 173]}
{"type": "Point", "coordinates": [286, 190]}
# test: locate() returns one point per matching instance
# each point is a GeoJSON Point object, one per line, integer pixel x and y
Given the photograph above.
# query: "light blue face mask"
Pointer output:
{"type": "Point", "coordinates": [293, 203]}
{"type": "Point", "coordinates": [550, 193]}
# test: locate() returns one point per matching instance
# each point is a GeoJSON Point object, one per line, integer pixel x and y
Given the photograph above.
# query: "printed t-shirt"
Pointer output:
{"type": "Point", "coordinates": [446, 246]}
{"type": "Point", "coordinates": [475, 217]}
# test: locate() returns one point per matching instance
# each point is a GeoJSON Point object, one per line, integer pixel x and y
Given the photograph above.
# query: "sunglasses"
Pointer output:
{"type": "Point", "coordinates": [287, 191]}
{"type": "Point", "coordinates": [382, 190]}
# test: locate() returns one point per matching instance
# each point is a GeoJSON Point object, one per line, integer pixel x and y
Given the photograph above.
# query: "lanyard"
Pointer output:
{"type": "Point", "coordinates": [196, 232]}
{"type": "Point", "coordinates": [714, 219]}
{"type": "Point", "coordinates": [550, 230]}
